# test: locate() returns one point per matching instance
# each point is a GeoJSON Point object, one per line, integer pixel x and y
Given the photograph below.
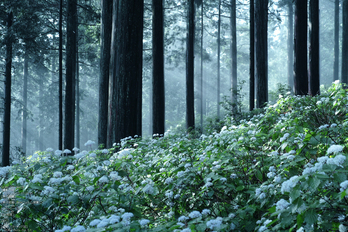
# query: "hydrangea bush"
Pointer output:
{"type": "Point", "coordinates": [282, 170]}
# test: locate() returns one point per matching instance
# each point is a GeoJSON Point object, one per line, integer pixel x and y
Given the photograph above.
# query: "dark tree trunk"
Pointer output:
{"type": "Point", "coordinates": [234, 56]}
{"type": "Point", "coordinates": [190, 111]}
{"type": "Point", "coordinates": [252, 57]}
{"type": "Point", "coordinates": [112, 80]}
{"type": "Point", "coordinates": [337, 29]}
{"type": "Point", "coordinates": [218, 62]}
{"type": "Point", "coordinates": [41, 73]}
{"type": "Point", "coordinates": [25, 100]}
{"type": "Point", "coordinates": [60, 94]}
{"type": "Point", "coordinates": [77, 91]}
{"type": "Point", "coordinates": [300, 63]}
{"type": "Point", "coordinates": [105, 38]}
{"type": "Point", "coordinates": [7, 100]}
{"type": "Point", "coordinates": [345, 42]}
{"type": "Point", "coordinates": [128, 73]}
{"type": "Point", "coordinates": [158, 102]}
{"type": "Point", "coordinates": [261, 18]}
{"type": "Point", "coordinates": [314, 75]}
{"type": "Point", "coordinates": [69, 130]}
{"type": "Point", "coordinates": [201, 110]}
{"type": "Point", "coordinates": [291, 45]}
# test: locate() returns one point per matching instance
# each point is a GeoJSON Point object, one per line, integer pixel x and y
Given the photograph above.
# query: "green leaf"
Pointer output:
{"type": "Point", "coordinates": [310, 217]}
{"type": "Point", "coordinates": [314, 183]}
{"type": "Point", "coordinates": [73, 199]}
{"type": "Point", "coordinates": [295, 193]}
{"type": "Point", "coordinates": [76, 179]}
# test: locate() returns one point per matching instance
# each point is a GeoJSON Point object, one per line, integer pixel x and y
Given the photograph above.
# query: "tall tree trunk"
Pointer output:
{"type": "Point", "coordinates": [69, 130]}
{"type": "Point", "coordinates": [105, 39]}
{"type": "Point", "coordinates": [77, 143]}
{"type": "Point", "coordinates": [112, 78]}
{"type": "Point", "coordinates": [158, 94]}
{"type": "Point", "coordinates": [41, 74]}
{"type": "Point", "coordinates": [7, 101]}
{"type": "Point", "coordinates": [202, 80]}
{"type": "Point", "coordinates": [190, 111]}
{"type": "Point", "coordinates": [261, 18]}
{"type": "Point", "coordinates": [252, 57]}
{"type": "Point", "coordinates": [300, 66]}
{"type": "Point", "coordinates": [218, 62]}
{"type": "Point", "coordinates": [234, 56]}
{"type": "Point", "coordinates": [290, 45]}
{"type": "Point", "coordinates": [128, 73]}
{"type": "Point", "coordinates": [314, 74]}
{"type": "Point", "coordinates": [25, 100]}
{"type": "Point", "coordinates": [345, 42]}
{"type": "Point", "coordinates": [60, 78]}
{"type": "Point", "coordinates": [337, 29]}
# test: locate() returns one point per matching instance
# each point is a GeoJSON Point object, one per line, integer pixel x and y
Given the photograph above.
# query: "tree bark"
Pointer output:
{"type": "Point", "coordinates": [314, 74]}
{"type": "Point", "coordinates": [190, 113]}
{"type": "Point", "coordinates": [69, 130]}
{"type": "Point", "coordinates": [25, 100]}
{"type": "Point", "coordinates": [7, 100]}
{"type": "Point", "coordinates": [128, 73]}
{"type": "Point", "coordinates": [345, 42]}
{"type": "Point", "coordinates": [158, 94]}
{"type": "Point", "coordinates": [252, 57]}
{"type": "Point", "coordinates": [234, 56]}
{"type": "Point", "coordinates": [77, 130]}
{"type": "Point", "coordinates": [300, 66]}
{"type": "Point", "coordinates": [105, 38]}
{"type": "Point", "coordinates": [337, 30]}
{"type": "Point", "coordinates": [290, 45]}
{"type": "Point", "coordinates": [202, 80]}
{"type": "Point", "coordinates": [60, 78]}
{"type": "Point", "coordinates": [261, 18]}
{"type": "Point", "coordinates": [218, 62]}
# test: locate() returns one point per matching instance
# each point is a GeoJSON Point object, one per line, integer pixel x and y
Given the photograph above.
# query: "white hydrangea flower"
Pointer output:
{"type": "Point", "coordinates": [183, 218]}
{"type": "Point", "coordinates": [126, 217]}
{"type": "Point", "coordinates": [342, 228]}
{"type": "Point", "coordinates": [103, 179]}
{"type": "Point", "coordinates": [21, 181]}
{"type": "Point", "coordinates": [57, 174]}
{"type": "Point", "coordinates": [78, 229]}
{"type": "Point", "coordinates": [223, 179]}
{"type": "Point", "coordinates": [344, 185]}
{"type": "Point", "coordinates": [94, 222]}
{"type": "Point", "coordinates": [205, 212]}
{"type": "Point", "coordinates": [103, 223]}
{"type": "Point", "coordinates": [289, 184]}
{"type": "Point", "coordinates": [114, 176]}
{"type": "Point", "coordinates": [70, 167]}
{"type": "Point", "coordinates": [282, 204]}
{"type": "Point", "coordinates": [262, 228]}
{"type": "Point", "coordinates": [214, 224]}
{"type": "Point", "coordinates": [285, 136]}
{"type": "Point", "coordinates": [195, 214]}
{"type": "Point", "coordinates": [144, 222]}
{"type": "Point", "coordinates": [168, 180]}
{"type": "Point", "coordinates": [334, 149]}
{"type": "Point", "coordinates": [114, 219]}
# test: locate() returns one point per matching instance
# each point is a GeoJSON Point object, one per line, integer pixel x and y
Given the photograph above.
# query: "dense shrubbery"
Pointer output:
{"type": "Point", "coordinates": [283, 170]}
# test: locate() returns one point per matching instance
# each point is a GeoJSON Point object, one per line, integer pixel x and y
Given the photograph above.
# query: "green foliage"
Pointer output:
{"type": "Point", "coordinates": [284, 169]}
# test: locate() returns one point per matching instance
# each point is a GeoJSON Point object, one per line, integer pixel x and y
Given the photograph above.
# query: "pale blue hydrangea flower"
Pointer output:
{"type": "Point", "coordinates": [103, 179]}
{"type": "Point", "coordinates": [21, 181]}
{"type": "Point", "coordinates": [282, 204]}
{"type": "Point", "coordinates": [57, 174]}
{"type": "Point", "coordinates": [94, 222]}
{"type": "Point", "coordinates": [168, 180]}
{"type": "Point", "coordinates": [205, 212]}
{"type": "Point", "coordinates": [126, 217]}
{"type": "Point", "coordinates": [90, 188]}
{"type": "Point", "coordinates": [289, 184]}
{"type": "Point", "coordinates": [180, 224]}
{"type": "Point", "coordinates": [144, 222]}
{"type": "Point", "coordinates": [195, 214]}
{"type": "Point", "coordinates": [67, 151]}
{"type": "Point", "coordinates": [78, 229]}
{"type": "Point", "coordinates": [182, 218]}
{"type": "Point", "coordinates": [103, 223]}
{"type": "Point", "coordinates": [214, 223]}
{"type": "Point", "coordinates": [334, 149]}
{"type": "Point", "coordinates": [114, 219]}
{"type": "Point", "coordinates": [344, 185]}
{"type": "Point", "coordinates": [262, 228]}
{"type": "Point", "coordinates": [70, 167]}
{"type": "Point", "coordinates": [186, 230]}
{"type": "Point", "coordinates": [342, 228]}
{"type": "Point", "coordinates": [75, 149]}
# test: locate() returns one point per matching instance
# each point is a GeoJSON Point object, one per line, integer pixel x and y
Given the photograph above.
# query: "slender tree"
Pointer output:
{"type": "Point", "coordinates": [60, 78]}
{"type": "Point", "coordinates": [337, 30]}
{"type": "Point", "coordinates": [7, 100]}
{"type": "Point", "coordinates": [345, 42]}
{"type": "Point", "coordinates": [218, 61]}
{"type": "Point", "coordinates": [105, 39]}
{"type": "Point", "coordinates": [190, 114]}
{"type": "Point", "coordinates": [252, 57]}
{"type": "Point", "coordinates": [77, 90]}
{"type": "Point", "coordinates": [261, 18]}
{"type": "Point", "coordinates": [314, 78]}
{"type": "Point", "coordinates": [69, 126]}
{"type": "Point", "coordinates": [127, 85]}
{"type": "Point", "coordinates": [234, 55]}
{"type": "Point", "coordinates": [202, 80]}
{"type": "Point", "coordinates": [290, 44]}
{"type": "Point", "coordinates": [300, 63]}
{"type": "Point", "coordinates": [25, 100]}
{"type": "Point", "coordinates": [158, 102]}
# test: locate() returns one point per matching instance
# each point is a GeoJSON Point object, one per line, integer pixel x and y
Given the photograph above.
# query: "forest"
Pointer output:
{"type": "Point", "coordinates": [173, 115]}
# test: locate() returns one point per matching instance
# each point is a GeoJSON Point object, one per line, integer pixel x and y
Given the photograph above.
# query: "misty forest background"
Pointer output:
{"type": "Point", "coordinates": [32, 29]}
